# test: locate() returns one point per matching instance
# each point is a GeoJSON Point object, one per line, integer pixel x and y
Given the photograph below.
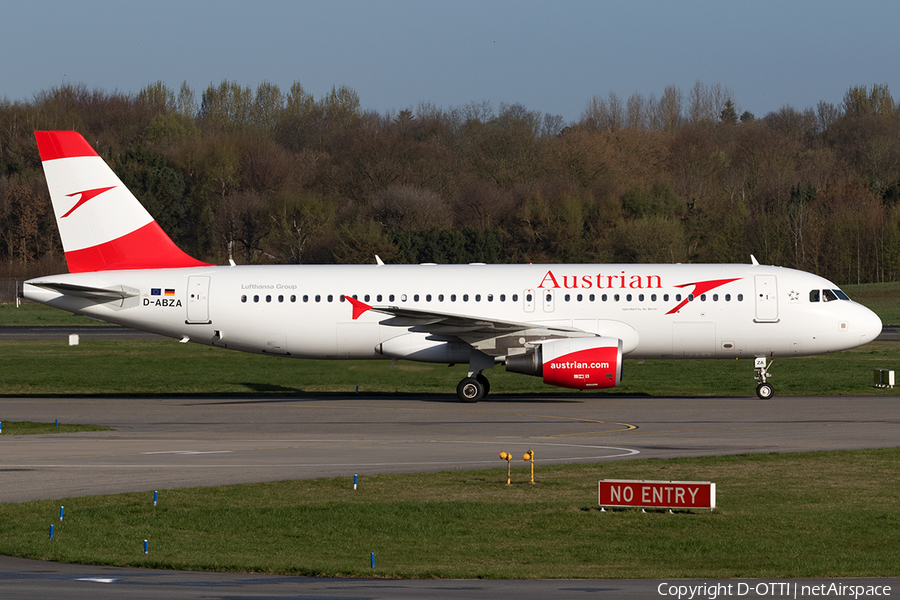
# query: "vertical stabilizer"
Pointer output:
{"type": "Point", "coordinates": [102, 225]}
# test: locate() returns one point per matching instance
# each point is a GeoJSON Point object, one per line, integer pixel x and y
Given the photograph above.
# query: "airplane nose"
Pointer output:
{"type": "Point", "coordinates": [870, 325]}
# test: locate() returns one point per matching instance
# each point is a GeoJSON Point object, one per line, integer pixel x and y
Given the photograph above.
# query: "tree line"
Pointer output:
{"type": "Point", "coordinates": [275, 176]}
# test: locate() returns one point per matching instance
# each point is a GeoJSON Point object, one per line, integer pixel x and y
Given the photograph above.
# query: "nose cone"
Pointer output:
{"type": "Point", "coordinates": [869, 325]}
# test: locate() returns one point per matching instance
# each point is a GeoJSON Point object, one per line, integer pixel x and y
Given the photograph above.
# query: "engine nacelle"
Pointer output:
{"type": "Point", "coordinates": [579, 363]}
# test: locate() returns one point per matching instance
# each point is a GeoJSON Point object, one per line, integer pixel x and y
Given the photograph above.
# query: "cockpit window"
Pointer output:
{"type": "Point", "coordinates": [827, 295]}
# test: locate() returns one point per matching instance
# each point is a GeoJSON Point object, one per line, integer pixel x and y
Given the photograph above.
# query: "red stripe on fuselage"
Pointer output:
{"type": "Point", "coordinates": [145, 248]}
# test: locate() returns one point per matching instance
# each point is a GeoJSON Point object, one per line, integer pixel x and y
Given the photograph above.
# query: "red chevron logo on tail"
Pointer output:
{"type": "Point", "coordinates": [85, 196]}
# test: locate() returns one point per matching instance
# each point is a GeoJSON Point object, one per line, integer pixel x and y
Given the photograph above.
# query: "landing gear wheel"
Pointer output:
{"type": "Point", "coordinates": [765, 391]}
{"type": "Point", "coordinates": [484, 381]}
{"type": "Point", "coordinates": [470, 389]}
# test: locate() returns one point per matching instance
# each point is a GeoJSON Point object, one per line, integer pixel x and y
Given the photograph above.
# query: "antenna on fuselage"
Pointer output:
{"type": "Point", "coordinates": [754, 261]}
{"type": "Point", "coordinates": [378, 261]}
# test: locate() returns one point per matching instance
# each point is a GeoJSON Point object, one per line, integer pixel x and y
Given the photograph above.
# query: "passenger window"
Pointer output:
{"type": "Point", "coordinates": [703, 297]}
{"type": "Point", "coordinates": [465, 297]}
{"type": "Point", "coordinates": [293, 298]}
{"type": "Point", "coordinates": [244, 298]}
{"type": "Point", "coordinates": [477, 297]}
{"type": "Point", "coordinates": [579, 297]}
{"type": "Point", "coordinates": [415, 297]}
{"type": "Point", "coordinates": [727, 297]}
{"type": "Point", "coordinates": [604, 297]}
{"type": "Point", "coordinates": [628, 298]}
{"type": "Point", "coordinates": [427, 297]}
{"type": "Point", "coordinates": [652, 297]}
{"type": "Point", "coordinates": [502, 297]}
{"type": "Point", "coordinates": [366, 298]}
{"type": "Point", "coordinates": [378, 298]}
{"type": "Point", "coordinates": [568, 297]}
{"type": "Point", "coordinates": [665, 297]}
{"type": "Point", "coordinates": [490, 297]}
{"type": "Point", "coordinates": [452, 297]}
{"type": "Point", "coordinates": [591, 297]}
{"type": "Point", "coordinates": [305, 298]}
{"type": "Point", "coordinates": [814, 296]}
{"type": "Point", "coordinates": [440, 297]}
{"type": "Point", "coordinates": [318, 298]}
{"type": "Point", "coordinates": [391, 298]}
{"type": "Point", "coordinates": [616, 297]}
{"type": "Point", "coordinates": [740, 297]}
{"type": "Point", "coordinates": [280, 298]}
{"type": "Point", "coordinates": [402, 297]}
{"type": "Point", "coordinates": [330, 298]}
{"type": "Point", "coordinates": [640, 297]}
{"type": "Point", "coordinates": [268, 298]}
{"type": "Point", "coordinates": [515, 298]}
{"type": "Point", "coordinates": [528, 297]}
{"type": "Point", "coordinates": [256, 298]}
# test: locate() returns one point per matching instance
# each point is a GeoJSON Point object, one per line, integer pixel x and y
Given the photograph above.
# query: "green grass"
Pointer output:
{"type": "Point", "coordinates": [32, 428]}
{"type": "Point", "coordinates": [165, 367]}
{"type": "Point", "coordinates": [30, 314]}
{"type": "Point", "coordinates": [829, 514]}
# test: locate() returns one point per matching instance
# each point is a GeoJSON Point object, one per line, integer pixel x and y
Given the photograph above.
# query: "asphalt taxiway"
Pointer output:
{"type": "Point", "coordinates": [159, 443]}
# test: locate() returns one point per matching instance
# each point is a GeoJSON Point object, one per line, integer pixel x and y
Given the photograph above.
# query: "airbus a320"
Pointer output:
{"type": "Point", "coordinates": [570, 324]}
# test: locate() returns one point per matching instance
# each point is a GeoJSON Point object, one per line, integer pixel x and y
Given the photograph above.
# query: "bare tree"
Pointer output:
{"type": "Point", "coordinates": [410, 208]}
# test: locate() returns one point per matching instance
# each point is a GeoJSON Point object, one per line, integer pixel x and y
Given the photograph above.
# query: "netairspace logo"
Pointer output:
{"type": "Point", "coordinates": [711, 591]}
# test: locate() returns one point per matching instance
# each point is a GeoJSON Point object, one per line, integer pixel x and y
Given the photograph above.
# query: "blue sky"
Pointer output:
{"type": "Point", "coordinates": [550, 57]}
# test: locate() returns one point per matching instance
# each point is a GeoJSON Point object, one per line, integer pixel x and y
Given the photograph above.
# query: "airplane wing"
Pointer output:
{"type": "Point", "coordinates": [492, 336]}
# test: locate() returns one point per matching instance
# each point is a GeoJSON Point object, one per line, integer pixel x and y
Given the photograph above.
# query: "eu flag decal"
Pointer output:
{"type": "Point", "coordinates": [155, 292]}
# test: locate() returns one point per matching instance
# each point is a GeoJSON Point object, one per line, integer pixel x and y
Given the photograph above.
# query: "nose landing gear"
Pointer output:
{"type": "Point", "coordinates": [764, 390]}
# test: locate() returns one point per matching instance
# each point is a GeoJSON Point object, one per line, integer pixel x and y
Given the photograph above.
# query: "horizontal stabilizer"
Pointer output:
{"type": "Point", "coordinates": [119, 292]}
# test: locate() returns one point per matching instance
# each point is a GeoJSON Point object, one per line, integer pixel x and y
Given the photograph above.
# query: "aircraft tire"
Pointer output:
{"type": "Point", "coordinates": [470, 390]}
{"type": "Point", "coordinates": [484, 381]}
{"type": "Point", "coordinates": [765, 391]}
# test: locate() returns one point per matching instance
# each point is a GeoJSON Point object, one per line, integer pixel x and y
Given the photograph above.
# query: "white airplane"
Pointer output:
{"type": "Point", "coordinates": [572, 325]}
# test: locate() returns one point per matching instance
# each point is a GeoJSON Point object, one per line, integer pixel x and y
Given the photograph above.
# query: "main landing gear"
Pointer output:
{"type": "Point", "coordinates": [764, 390]}
{"type": "Point", "coordinates": [476, 386]}
{"type": "Point", "coordinates": [473, 389]}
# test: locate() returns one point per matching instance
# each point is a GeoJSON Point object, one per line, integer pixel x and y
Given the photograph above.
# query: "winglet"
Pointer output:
{"type": "Point", "coordinates": [358, 307]}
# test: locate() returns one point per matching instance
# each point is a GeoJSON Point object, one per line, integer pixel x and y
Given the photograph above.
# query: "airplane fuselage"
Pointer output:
{"type": "Point", "coordinates": [658, 311]}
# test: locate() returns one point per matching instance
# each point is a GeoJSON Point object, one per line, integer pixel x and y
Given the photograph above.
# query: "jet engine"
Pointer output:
{"type": "Point", "coordinates": [580, 363]}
